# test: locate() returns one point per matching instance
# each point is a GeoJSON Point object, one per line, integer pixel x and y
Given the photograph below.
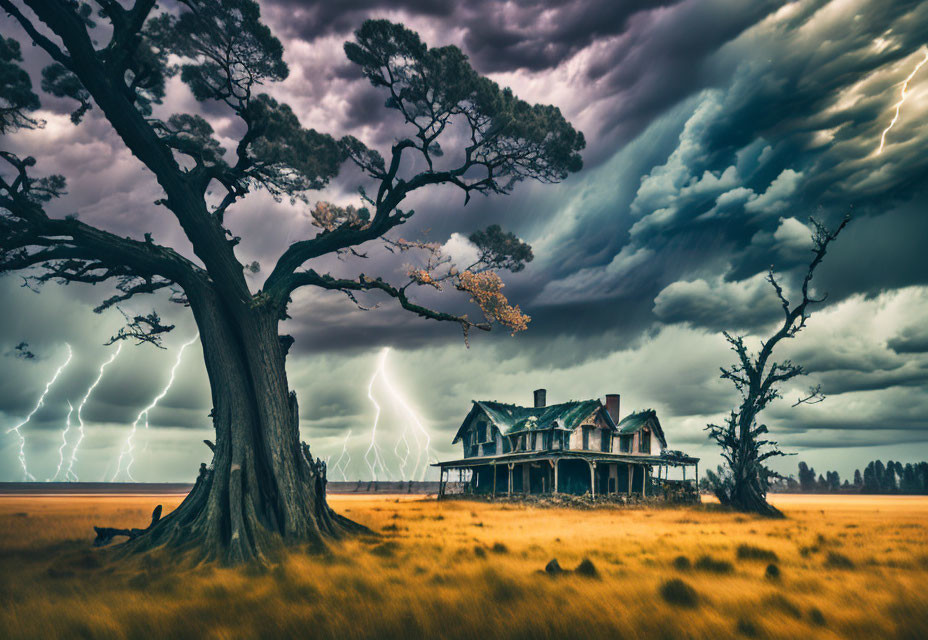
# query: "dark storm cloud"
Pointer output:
{"type": "Point", "coordinates": [499, 36]}
{"type": "Point", "coordinates": [757, 156]}
{"type": "Point", "coordinates": [911, 340]}
{"type": "Point", "coordinates": [715, 128]}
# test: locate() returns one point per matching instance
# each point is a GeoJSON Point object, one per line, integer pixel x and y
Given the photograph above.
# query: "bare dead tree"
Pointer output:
{"type": "Point", "coordinates": [263, 489]}
{"type": "Point", "coordinates": [743, 480]}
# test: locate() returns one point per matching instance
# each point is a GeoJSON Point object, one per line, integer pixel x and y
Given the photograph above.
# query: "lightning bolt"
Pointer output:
{"type": "Point", "coordinates": [22, 438]}
{"type": "Point", "coordinates": [129, 446]}
{"type": "Point", "coordinates": [421, 435]}
{"type": "Point", "coordinates": [403, 456]}
{"type": "Point", "coordinates": [70, 474]}
{"type": "Point", "coordinates": [905, 88]}
{"type": "Point", "coordinates": [341, 464]}
{"type": "Point", "coordinates": [64, 441]}
{"type": "Point", "coordinates": [372, 456]}
{"type": "Point", "coordinates": [403, 448]}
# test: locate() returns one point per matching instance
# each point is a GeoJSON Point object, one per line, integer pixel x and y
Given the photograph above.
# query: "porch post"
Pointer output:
{"type": "Point", "coordinates": [441, 483]}
{"type": "Point", "coordinates": [697, 476]}
{"type": "Point", "coordinates": [494, 479]}
{"type": "Point", "coordinates": [629, 478]}
{"type": "Point", "coordinates": [556, 464]}
{"type": "Point", "coordinates": [509, 468]}
{"type": "Point", "coordinates": [644, 481]}
{"type": "Point", "coordinates": [684, 473]}
{"type": "Point", "coordinates": [592, 478]}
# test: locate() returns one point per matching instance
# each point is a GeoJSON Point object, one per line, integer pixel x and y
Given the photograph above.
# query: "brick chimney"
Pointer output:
{"type": "Point", "coordinates": [612, 406]}
{"type": "Point", "coordinates": [540, 397]}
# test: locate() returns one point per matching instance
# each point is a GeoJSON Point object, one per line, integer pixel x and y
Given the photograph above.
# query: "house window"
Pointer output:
{"type": "Point", "coordinates": [534, 441]}
{"type": "Point", "coordinates": [625, 444]}
{"type": "Point", "coordinates": [644, 441]}
{"type": "Point", "coordinates": [507, 445]}
{"type": "Point", "coordinates": [481, 432]}
{"type": "Point", "coordinates": [522, 442]}
{"type": "Point", "coordinates": [546, 440]}
{"type": "Point", "coordinates": [607, 444]}
{"type": "Point", "coordinates": [565, 440]}
{"type": "Point", "coordinates": [586, 438]}
{"type": "Point", "coordinates": [489, 449]}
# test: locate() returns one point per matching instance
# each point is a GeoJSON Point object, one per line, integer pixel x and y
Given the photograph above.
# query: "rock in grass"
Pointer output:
{"type": "Point", "coordinates": [553, 567]}
{"type": "Point", "coordinates": [587, 568]}
{"type": "Point", "coordinates": [772, 572]}
{"type": "Point", "coordinates": [676, 591]}
{"type": "Point", "coordinates": [682, 563]}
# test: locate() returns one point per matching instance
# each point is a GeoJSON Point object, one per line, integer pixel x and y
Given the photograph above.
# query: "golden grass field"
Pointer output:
{"type": "Point", "coordinates": [849, 566]}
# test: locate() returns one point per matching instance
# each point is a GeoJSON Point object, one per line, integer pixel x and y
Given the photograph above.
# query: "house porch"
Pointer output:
{"type": "Point", "coordinates": [571, 472]}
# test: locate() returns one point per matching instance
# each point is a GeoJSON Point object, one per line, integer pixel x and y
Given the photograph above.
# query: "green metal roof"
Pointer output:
{"type": "Point", "coordinates": [634, 421]}
{"type": "Point", "coordinates": [511, 418]}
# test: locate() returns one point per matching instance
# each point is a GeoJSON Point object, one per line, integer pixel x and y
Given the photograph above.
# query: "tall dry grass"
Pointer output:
{"type": "Point", "coordinates": [844, 567]}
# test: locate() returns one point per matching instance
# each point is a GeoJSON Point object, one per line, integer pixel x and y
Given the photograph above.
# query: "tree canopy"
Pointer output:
{"type": "Point", "coordinates": [226, 55]}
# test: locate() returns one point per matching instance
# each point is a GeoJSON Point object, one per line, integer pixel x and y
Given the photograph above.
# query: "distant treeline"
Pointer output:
{"type": "Point", "coordinates": [877, 478]}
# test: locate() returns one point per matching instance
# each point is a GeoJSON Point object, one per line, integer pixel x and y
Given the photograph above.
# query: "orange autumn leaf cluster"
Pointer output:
{"type": "Point", "coordinates": [485, 290]}
{"type": "Point", "coordinates": [424, 277]}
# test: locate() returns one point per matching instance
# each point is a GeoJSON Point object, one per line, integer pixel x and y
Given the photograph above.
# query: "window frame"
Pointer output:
{"type": "Point", "coordinates": [642, 439]}
{"type": "Point", "coordinates": [481, 425]}
{"type": "Point", "coordinates": [626, 442]}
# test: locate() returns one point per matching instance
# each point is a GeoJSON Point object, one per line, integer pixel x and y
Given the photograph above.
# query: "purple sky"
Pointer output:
{"type": "Point", "coordinates": [715, 129]}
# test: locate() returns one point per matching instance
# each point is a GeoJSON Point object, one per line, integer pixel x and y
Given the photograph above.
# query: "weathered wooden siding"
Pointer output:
{"type": "Point", "coordinates": [596, 435]}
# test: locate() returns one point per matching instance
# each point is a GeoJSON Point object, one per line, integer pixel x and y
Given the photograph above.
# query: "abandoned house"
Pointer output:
{"type": "Point", "coordinates": [575, 447]}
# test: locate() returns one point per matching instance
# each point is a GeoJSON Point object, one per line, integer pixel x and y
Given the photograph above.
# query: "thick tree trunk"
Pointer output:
{"type": "Point", "coordinates": [749, 484]}
{"type": "Point", "coordinates": [262, 490]}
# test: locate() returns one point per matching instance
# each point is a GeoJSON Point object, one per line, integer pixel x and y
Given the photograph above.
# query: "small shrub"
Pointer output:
{"type": "Point", "coordinates": [587, 568]}
{"type": "Point", "coordinates": [816, 616]}
{"type": "Point", "coordinates": [386, 550]}
{"type": "Point", "coordinates": [682, 563]}
{"type": "Point", "coordinates": [676, 591]}
{"type": "Point", "coordinates": [837, 560]}
{"type": "Point", "coordinates": [747, 627]}
{"type": "Point", "coordinates": [480, 552]}
{"type": "Point", "coordinates": [502, 588]}
{"type": "Point", "coordinates": [708, 563]}
{"type": "Point", "coordinates": [772, 572]}
{"type": "Point", "coordinates": [391, 527]}
{"type": "Point", "coordinates": [499, 547]}
{"type": "Point", "coordinates": [784, 604]}
{"type": "Point", "coordinates": [750, 552]}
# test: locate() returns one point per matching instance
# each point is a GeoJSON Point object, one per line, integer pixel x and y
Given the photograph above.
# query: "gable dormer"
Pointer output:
{"type": "Point", "coordinates": [640, 433]}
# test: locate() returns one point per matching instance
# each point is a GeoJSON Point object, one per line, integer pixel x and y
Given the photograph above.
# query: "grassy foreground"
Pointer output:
{"type": "Point", "coordinates": [848, 566]}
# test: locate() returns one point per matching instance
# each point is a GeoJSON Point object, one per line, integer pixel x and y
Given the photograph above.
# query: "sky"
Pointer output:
{"type": "Point", "coordinates": [714, 130]}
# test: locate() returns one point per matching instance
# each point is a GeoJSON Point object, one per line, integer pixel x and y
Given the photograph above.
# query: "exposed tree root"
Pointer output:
{"type": "Point", "coordinates": [200, 532]}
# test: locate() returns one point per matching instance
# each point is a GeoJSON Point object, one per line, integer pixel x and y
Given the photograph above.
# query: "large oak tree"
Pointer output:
{"type": "Point", "coordinates": [263, 489]}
